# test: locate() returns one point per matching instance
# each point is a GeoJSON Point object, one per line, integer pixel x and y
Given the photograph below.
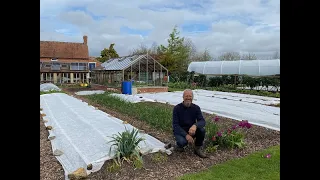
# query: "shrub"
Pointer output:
{"type": "Point", "coordinates": [127, 147]}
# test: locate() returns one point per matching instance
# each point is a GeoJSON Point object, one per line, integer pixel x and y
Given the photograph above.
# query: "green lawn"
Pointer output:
{"type": "Point", "coordinates": [254, 166]}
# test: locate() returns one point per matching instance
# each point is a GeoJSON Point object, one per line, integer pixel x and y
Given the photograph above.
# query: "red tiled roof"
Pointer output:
{"type": "Point", "coordinates": [94, 59]}
{"type": "Point", "coordinates": [64, 50]}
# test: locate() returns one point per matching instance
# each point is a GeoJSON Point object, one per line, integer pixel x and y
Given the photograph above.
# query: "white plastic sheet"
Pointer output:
{"type": "Point", "coordinates": [237, 97]}
{"type": "Point", "coordinates": [132, 99]}
{"type": "Point", "coordinates": [49, 87]}
{"type": "Point", "coordinates": [231, 105]}
{"type": "Point", "coordinates": [83, 93]}
{"type": "Point", "coordinates": [82, 133]}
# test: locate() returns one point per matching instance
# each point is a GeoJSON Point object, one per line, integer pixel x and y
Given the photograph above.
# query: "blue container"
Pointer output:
{"type": "Point", "coordinates": [126, 87]}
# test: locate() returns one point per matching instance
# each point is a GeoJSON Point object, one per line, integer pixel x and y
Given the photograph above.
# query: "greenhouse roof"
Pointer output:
{"type": "Point", "coordinates": [117, 64]}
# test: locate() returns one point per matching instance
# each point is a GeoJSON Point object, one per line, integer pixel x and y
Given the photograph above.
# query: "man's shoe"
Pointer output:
{"type": "Point", "coordinates": [178, 149]}
{"type": "Point", "coordinates": [199, 152]}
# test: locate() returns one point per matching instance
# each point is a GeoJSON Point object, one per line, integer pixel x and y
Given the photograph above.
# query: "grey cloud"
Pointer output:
{"type": "Point", "coordinates": [78, 18]}
{"type": "Point", "coordinates": [229, 27]}
{"type": "Point", "coordinates": [54, 36]}
{"type": "Point", "coordinates": [106, 26]}
{"type": "Point", "coordinates": [226, 35]}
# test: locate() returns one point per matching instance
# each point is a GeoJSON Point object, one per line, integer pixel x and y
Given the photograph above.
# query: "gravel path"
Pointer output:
{"type": "Point", "coordinates": [50, 168]}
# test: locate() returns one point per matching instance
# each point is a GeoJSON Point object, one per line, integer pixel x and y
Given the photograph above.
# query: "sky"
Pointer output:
{"type": "Point", "coordinates": [217, 25]}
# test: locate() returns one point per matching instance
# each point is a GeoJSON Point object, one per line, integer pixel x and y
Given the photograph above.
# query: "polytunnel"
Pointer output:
{"type": "Point", "coordinates": [240, 67]}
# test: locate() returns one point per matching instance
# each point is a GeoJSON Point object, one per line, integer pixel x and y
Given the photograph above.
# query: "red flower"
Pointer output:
{"type": "Point", "coordinates": [213, 138]}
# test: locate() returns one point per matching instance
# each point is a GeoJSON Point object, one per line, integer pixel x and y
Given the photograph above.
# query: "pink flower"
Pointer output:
{"type": "Point", "coordinates": [213, 138]}
{"type": "Point", "coordinates": [268, 156]}
{"type": "Point", "coordinates": [216, 119]}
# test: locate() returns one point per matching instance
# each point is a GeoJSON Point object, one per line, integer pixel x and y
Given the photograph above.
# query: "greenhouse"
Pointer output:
{"type": "Point", "coordinates": [240, 67]}
{"type": "Point", "coordinates": [140, 69]}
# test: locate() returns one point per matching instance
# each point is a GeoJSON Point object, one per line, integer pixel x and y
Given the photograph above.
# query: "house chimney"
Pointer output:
{"type": "Point", "coordinates": [85, 40]}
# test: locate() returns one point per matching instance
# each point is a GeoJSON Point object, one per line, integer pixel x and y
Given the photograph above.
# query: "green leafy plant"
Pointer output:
{"type": "Point", "coordinates": [159, 157]}
{"type": "Point", "coordinates": [127, 147]}
{"type": "Point", "coordinates": [211, 127]}
{"type": "Point", "coordinates": [211, 148]}
{"type": "Point", "coordinates": [114, 167]}
{"type": "Point", "coordinates": [157, 115]}
{"type": "Point", "coordinates": [233, 137]}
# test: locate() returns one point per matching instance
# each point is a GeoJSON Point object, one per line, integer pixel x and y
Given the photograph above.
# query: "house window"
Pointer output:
{"type": "Point", "coordinates": [54, 59]}
{"type": "Point", "coordinates": [55, 66]}
{"type": "Point", "coordinates": [82, 66]}
{"type": "Point", "coordinates": [92, 66]}
{"type": "Point", "coordinates": [78, 66]}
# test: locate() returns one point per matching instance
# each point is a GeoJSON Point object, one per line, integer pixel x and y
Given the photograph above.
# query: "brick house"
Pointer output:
{"type": "Point", "coordinates": [65, 62]}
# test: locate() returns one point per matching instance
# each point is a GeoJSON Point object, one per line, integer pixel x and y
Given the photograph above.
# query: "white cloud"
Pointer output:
{"type": "Point", "coordinates": [233, 25]}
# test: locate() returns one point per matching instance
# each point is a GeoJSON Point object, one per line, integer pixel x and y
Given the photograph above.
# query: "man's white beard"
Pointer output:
{"type": "Point", "coordinates": [187, 104]}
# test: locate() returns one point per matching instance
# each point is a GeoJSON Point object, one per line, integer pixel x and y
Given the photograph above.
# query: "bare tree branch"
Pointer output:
{"type": "Point", "coordinates": [249, 57]}
{"type": "Point", "coordinates": [229, 56]}
{"type": "Point", "coordinates": [276, 55]}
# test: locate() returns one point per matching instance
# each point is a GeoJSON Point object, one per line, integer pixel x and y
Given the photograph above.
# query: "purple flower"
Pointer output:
{"type": "Point", "coordinates": [248, 125]}
{"type": "Point", "coordinates": [216, 119]}
{"type": "Point", "coordinates": [268, 156]}
{"type": "Point", "coordinates": [244, 123]}
{"type": "Point", "coordinates": [219, 134]}
{"type": "Point", "coordinates": [234, 127]}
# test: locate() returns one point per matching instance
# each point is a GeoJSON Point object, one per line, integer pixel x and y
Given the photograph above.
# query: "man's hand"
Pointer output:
{"type": "Point", "coordinates": [189, 139]}
{"type": "Point", "coordinates": [192, 130]}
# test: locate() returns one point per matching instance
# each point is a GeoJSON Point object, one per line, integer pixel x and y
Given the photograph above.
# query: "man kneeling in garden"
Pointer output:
{"type": "Point", "coordinates": [188, 123]}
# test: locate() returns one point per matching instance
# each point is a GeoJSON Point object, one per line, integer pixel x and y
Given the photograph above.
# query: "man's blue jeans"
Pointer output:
{"type": "Point", "coordinates": [182, 141]}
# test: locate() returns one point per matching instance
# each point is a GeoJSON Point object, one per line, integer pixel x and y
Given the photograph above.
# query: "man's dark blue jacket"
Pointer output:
{"type": "Point", "coordinates": [184, 117]}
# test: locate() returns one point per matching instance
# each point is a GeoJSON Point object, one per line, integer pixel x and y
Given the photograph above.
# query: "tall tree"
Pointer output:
{"type": "Point", "coordinates": [192, 47]}
{"type": "Point", "coordinates": [108, 53]}
{"type": "Point", "coordinates": [175, 55]}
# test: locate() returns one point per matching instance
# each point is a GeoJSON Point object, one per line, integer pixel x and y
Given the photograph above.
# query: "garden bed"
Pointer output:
{"type": "Point", "coordinates": [177, 164]}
